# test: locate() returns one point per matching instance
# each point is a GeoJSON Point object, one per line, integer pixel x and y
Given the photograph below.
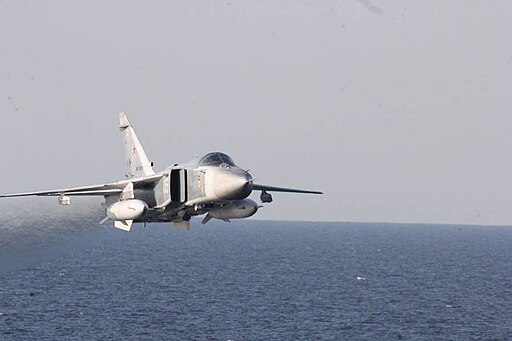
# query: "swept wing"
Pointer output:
{"type": "Point", "coordinates": [257, 187]}
{"type": "Point", "coordinates": [104, 189]}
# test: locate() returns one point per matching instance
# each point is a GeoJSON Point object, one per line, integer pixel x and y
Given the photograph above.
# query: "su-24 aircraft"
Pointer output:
{"type": "Point", "coordinates": [212, 184]}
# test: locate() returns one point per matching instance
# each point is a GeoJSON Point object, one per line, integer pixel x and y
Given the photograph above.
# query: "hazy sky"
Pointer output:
{"type": "Point", "coordinates": [400, 111]}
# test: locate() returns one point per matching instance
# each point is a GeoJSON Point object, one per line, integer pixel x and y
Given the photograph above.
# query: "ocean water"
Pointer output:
{"type": "Point", "coordinates": [70, 279]}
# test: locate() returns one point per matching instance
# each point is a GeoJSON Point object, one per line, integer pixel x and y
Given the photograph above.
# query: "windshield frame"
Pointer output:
{"type": "Point", "coordinates": [216, 159]}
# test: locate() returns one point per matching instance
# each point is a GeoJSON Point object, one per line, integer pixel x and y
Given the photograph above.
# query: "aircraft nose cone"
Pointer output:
{"type": "Point", "coordinates": [233, 185]}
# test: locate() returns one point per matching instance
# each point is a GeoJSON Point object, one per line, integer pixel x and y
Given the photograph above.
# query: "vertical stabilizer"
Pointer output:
{"type": "Point", "coordinates": [136, 159]}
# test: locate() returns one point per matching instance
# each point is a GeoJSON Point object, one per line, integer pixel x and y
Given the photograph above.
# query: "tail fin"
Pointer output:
{"type": "Point", "coordinates": [138, 163]}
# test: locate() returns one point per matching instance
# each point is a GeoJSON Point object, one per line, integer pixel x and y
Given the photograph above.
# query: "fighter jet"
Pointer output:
{"type": "Point", "coordinates": [212, 184]}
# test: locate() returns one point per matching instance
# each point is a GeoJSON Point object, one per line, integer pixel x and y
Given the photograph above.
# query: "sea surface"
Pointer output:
{"type": "Point", "coordinates": [71, 279]}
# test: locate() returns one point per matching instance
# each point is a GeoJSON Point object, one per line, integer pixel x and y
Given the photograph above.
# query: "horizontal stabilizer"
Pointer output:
{"type": "Point", "coordinates": [124, 225]}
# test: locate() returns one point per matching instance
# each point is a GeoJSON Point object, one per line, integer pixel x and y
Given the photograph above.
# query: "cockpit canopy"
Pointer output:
{"type": "Point", "coordinates": [216, 159]}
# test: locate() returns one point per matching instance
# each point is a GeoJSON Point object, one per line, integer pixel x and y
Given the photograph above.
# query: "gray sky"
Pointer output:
{"type": "Point", "coordinates": [399, 111]}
